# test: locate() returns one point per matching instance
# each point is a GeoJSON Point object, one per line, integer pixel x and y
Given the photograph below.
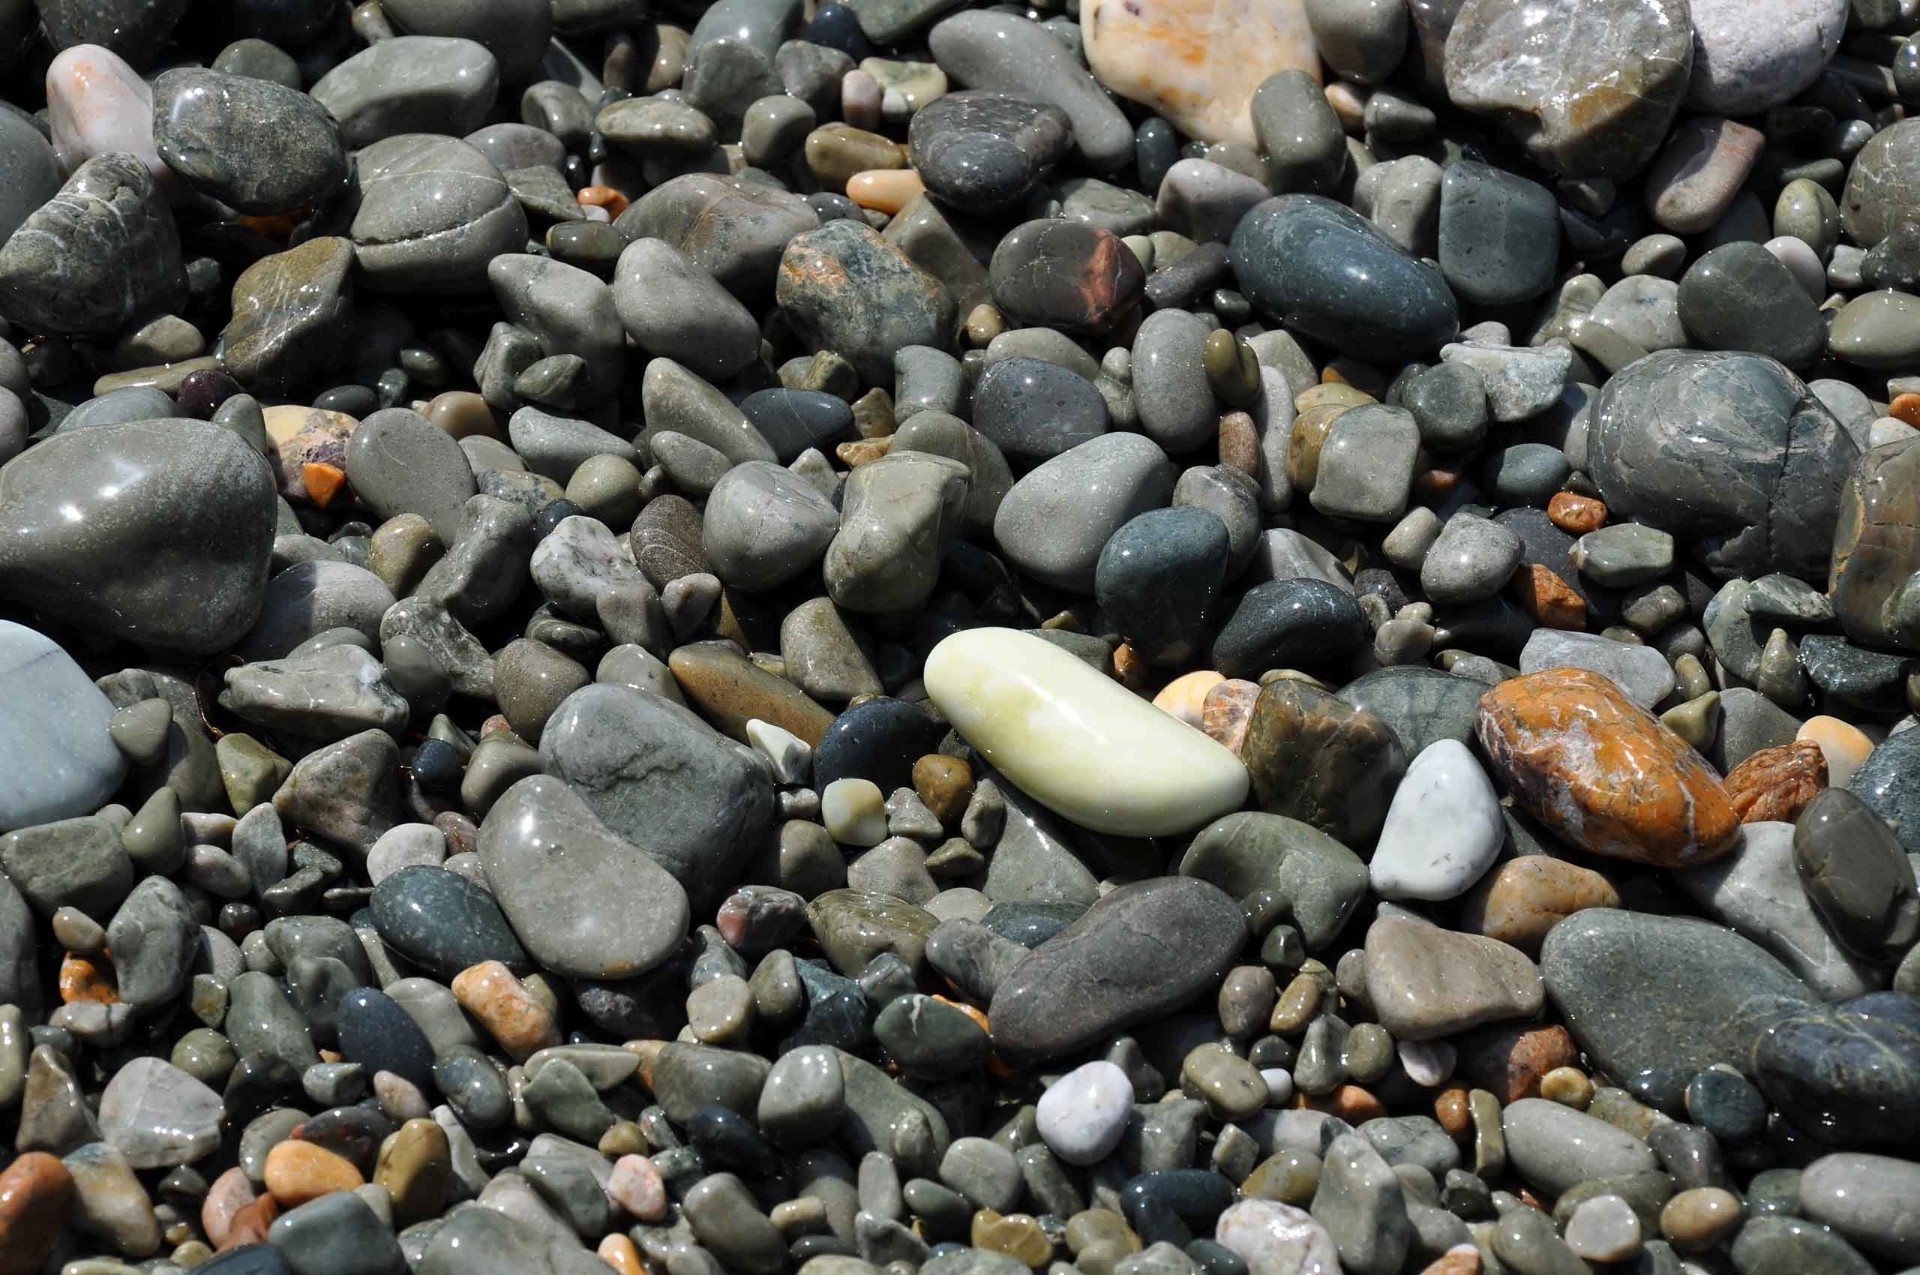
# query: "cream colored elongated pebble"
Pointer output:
{"type": "Point", "coordinates": [1079, 742]}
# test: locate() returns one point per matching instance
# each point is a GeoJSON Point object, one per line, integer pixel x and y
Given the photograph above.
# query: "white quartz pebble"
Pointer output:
{"type": "Point", "coordinates": [1443, 829]}
{"type": "Point", "coordinates": [855, 812]}
{"type": "Point", "coordinates": [789, 755]}
{"type": "Point", "coordinates": [97, 103]}
{"type": "Point", "coordinates": [1076, 740]}
{"type": "Point", "coordinates": [1277, 1239]}
{"type": "Point", "coordinates": [1082, 1115]}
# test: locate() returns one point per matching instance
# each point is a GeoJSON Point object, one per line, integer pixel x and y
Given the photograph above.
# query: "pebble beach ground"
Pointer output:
{"type": "Point", "coordinates": [1152, 637]}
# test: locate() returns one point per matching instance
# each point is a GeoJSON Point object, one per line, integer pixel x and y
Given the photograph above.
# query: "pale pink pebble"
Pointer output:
{"type": "Point", "coordinates": [594, 212]}
{"type": "Point", "coordinates": [399, 1097]}
{"type": "Point", "coordinates": [96, 103]}
{"type": "Point", "coordinates": [635, 1186]}
{"type": "Point", "coordinates": [229, 1193]}
{"type": "Point", "coordinates": [860, 99]}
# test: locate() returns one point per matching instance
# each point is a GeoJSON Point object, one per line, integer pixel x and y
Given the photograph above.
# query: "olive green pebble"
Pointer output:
{"type": "Point", "coordinates": [205, 1055]}
{"type": "Point", "coordinates": [1807, 212]}
{"type": "Point", "coordinates": [1696, 720]}
{"type": "Point", "coordinates": [1368, 1053]}
{"type": "Point", "coordinates": [1289, 1176]}
{"type": "Point", "coordinates": [1233, 371]}
{"type": "Point", "coordinates": [1661, 256]}
{"type": "Point", "coordinates": [250, 771]}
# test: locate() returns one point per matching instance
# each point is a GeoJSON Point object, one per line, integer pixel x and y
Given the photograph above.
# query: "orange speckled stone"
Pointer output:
{"type": "Point", "coordinates": [300, 1171]}
{"type": "Point", "coordinates": [508, 1011]}
{"type": "Point", "coordinates": [85, 980]}
{"type": "Point", "coordinates": [1549, 599]}
{"type": "Point", "coordinates": [1777, 783]}
{"type": "Point", "coordinates": [230, 1193]}
{"type": "Point", "coordinates": [1576, 515]}
{"type": "Point", "coordinates": [1240, 443]}
{"type": "Point", "coordinates": [1510, 1060]}
{"type": "Point", "coordinates": [1228, 710]}
{"type": "Point", "coordinates": [36, 1192]}
{"type": "Point", "coordinates": [1602, 772]}
{"type": "Point", "coordinates": [1461, 1259]}
{"type": "Point", "coordinates": [863, 451]}
{"type": "Point", "coordinates": [1350, 1102]}
{"type": "Point", "coordinates": [322, 481]}
{"type": "Point", "coordinates": [1530, 895]}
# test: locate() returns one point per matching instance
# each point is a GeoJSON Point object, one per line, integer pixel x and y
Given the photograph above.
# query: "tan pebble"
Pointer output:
{"type": "Point", "coordinates": [230, 1193]}
{"type": "Point", "coordinates": [1697, 1220]}
{"type": "Point", "coordinates": [1185, 696]}
{"type": "Point", "coordinates": [1568, 1086]}
{"type": "Point", "coordinates": [300, 1171]}
{"type": "Point", "coordinates": [1844, 745]}
{"type": "Point", "coordinates": [1240, 443]}
{"type": "Point", "coordinates": [1450, 1109]}
{"type": "Point", "coordinates": [1461, 1259]}
{"type": "Point", "coordinates": [1528, 896]}
{"type": "Point", "coordinates": [415, 1166]}
{"type": "Point", "coordinates": [462, 413]}
{"type": "Point", "coordinates": [944, 785]}
{"type": "Point", "coordinates": [617, 1251]}
{"type": "Point", "coordinates": [886, 189]}
{"type": "Point", "coordinates": [635, 1186]}
{"type": "Point", "coordinates": [1775, 784]}
{"type": "Point", "coordinates": [518, 1022]}
{"type": "Point", "coordinates": [1017, 1235]}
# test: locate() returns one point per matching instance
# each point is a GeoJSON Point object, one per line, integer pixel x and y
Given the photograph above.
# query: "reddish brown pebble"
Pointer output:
{"type": "Point", "coordinates": [1576, 515]}
{"type": "Point", "coordinates": [1350, 1102]}
{"type": "Point", "coordinates": [1549, 599]}
{"type": "Point", "coordinates": [1905, 408]}
{"type": "Point", "coordinates": [230, 1193]}
{"type": "Point", "coordinates": [944, 785]}
{"type": "Point", "coordinates": [1228, 710]}
{"type": "Point", "coordinates": [601, 197]}
{"type": "Point", "coordinates": [1511, 1059]}
{"type": "Point", "coordinates": [1239, 443]}
{"type": "Point", "coordinates": [1602, 772]}
{"type": "Point", "coordinates": [1450, 1109]}
{"type": "Point", "coordinates": [1528, 896]}
{"type": "Point", "coordinates": [36, 1192]}
{"type": "Point", "coordinates": [1775, 784]}
{"type": "Point", "coordinates": [85, 980]}
{"type": "Point", "coordinates": [249, 1225]}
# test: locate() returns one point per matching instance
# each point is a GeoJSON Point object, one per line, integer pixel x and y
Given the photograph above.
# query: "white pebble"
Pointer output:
{"type": "Point", "coordinates": [1604, 1229]}
{"type": "Point", "coordinates": [1443, 829]}
{"type": "Point", "coordinates": [1082, 1115]}
{"type": "Point", "coordinates": [789, 754]}
{"type": "Point", "coordinates": [1279, 1084]}
{"type": "Point", "coordinates": [855, 812]}
{"type": "Point", "coordinates": [1427, 1063]}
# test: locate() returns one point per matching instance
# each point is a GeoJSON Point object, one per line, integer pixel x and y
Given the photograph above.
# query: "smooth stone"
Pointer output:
{"type": "Point", "coordinates": [1856, 874]}
{"type": "Point", "coordinates": [1064, 274]}
{"type": "Point", "coordinates": [1884, 781]}
{"type": "Point", "coordinates": [158, 1116]}
{"type": "Point", "coordinates": [1595, 99]}
{"type": "Point", "coordinates": [98, 104]}
{"type": "Point", "coordinates": [410, 84]}
{"type": "Point", "coordinates": [400, 462]}
{"type": "Point", "coordinates": [100, 252]}
{"type": "Point", "coordinates": [29, 173]}
{"type": "Point", "coordinates": [984, 150]}
{"type": "Point", "coordinates": [1881, 184]}
{"type": "Point", "coordinates": [1083, 1115]}
{"type": "Point", "coordinates": [1757, 892]}
{"type": "Point", "coordinates": [1015, 698]}
{"type": "Point", "coordinates": [1782, 1245]}
{"type": "Point", "coordinates": [848, 290]}
{"type": "Point", "coordinates": [1362, 1207]}
{"type": "Point", "coordinates": [1471, 560]}
{"type": "Point", "coordinates": [1176, 408]}
{"type": "Point", "coordinates": [1845, 1074]}
{"type": "Point", "coordinates": [1040, 1009]}
{"type": "Point", "coordinates": [1276, 1239]}
{"type": "Point", "coordinates": [1864, 1198]}
{"type": "Point", "coordinates": [336, 1234]}
{"type": "Point", "coordinates": [254, 145]}
{"type": "Point", "coordinates": [896, 516]}
{"type": "Point", "coordinates": [1655, 999]}
{"type": "Point", "coordinates": [1749, 57]}
{"type": "Point", "coordinates": [764, 525]}
{"type": "Point", "coordinates": [1877, 330]}
{"type": "Point", "coordinates": [1159, 575]}
{"type": "Point", "coordinates": [1728, 448]}
{"type": "Point", "coordinates": [1422, 705]}
{"type": "Point", "coordinates": [1288, 623]}
{"type": "Point", "coordinates": [62, 762]}
{"type": "Point", "coordinates": [1499, 234]}
{"type": "Point", "coordinates": [735, 231]}
{"type": "Point", "coordinates": [1876, 548]}
{"type": "Point", "coordinates": [1425, 983]}
{"type": "Point", "coordinates": [1740, 297]}
{"type": "Point", "coordinates": [659, 777]}
{"type": "Point", "coordinates": [587, 903]}
{"type": "Point", "coordinates": [1324, 270]}
{"type": "Point", "coordinates": [1555, 1148]}
{"type": "Point", "coordinates": [155, 938]}
{"type": "Point", "coordinates": [1278, 866]}
{"type": "Point", "coordinates": [443, 922]}
{"type": "Point", "coordinates": [1366, 464]}
{"type": "Point", "coordinates": [1639, 671]}
{"type": "Point", "coordinates": [674, 308]}
{"type": "Point", "coordinates": [1055, 521]}
{"type": "Point", "coordinates": [289, 314]}
{"type": "Point", "coordinates": [985, 50]}
{"type": "Point", "coordinates": [432, 212]}
{"type": "Point", "coordinates": [1033, 410]}
{"type": "Point", "coordinates": [376, 1032]}
{"type": "Point", "coordinates": [1443, 829]}
{"type": "Point", "coordinates": [1319, 760]}
{"type": "Point", "coordinates": [855, 926]}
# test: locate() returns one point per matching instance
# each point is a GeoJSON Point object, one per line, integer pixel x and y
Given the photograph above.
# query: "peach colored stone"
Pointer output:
{"type": "Point", "coordinates": [1528, 896]}
{"type": "Point", "coordinates": [1511, 1059]}
{"type": "Point", "coordinates": [97, 103]}
{"type": "Point", "coordinates": [1602, 772]}
{"type": "Point", "coordinates": [1548, 598]}
{"type": "Point", "coordinates": [249, 1225]}
{"type": "Point", "coordinates": [1240, 443]}
{"type": "Point", "coordinates": [1227, 711]}
{"type": "Point", "coordinates": [635, 1186]}
{"type": "Point", "coordinates": [1843, 745]}
{"type": "Point", "coordinates": [519, 1023]}
{"type": "Point", "coordinates": [230, 1193]}
{"type": "Point", "coordinates": [886, 190]}
{"type": "Point", "coordinates": [863, 451]}
{"type": "Point", "coordinates": [1350, 1102]}
{"type": "Point", "coordinates": [1197, 62]}
{"type": "Point", "coordinates": [84, 980]}
{"type": "Point", "coordinates": [1186, 696]}
{"type": "Point", "coordinates": [1775, 784]}
{"type": "Point", "coordinates": [1461, 1259]}
{"type": "Point", "coordinates": [617, 1251]}
{"type": "Point", "coordinates": [1451, 1110]}
{"type": "Point", "coordinates": [1576, 515]}
{"type": "Point", "coordinates": [300, 1171]}
{"type": "Point", "coordinates": [36, 1193]}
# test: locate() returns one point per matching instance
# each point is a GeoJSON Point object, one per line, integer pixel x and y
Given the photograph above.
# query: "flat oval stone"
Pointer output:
{"type": "Point", "coordinates": [443, 922]}
{"type": "Point", "coordinates": [1277, 865]}
{"type": "Point", "coordinates": [1443, 829]}
{"type": "Point", "coordinates": [1147, 948]}
{"type": "Point", "coordinates": [1856, 874]}
{"type": "Point", "coordinates": [252, 144]}
{"type": "Point", "coordinates": [1064, 274]}
{"type": "Point", "coordinates": [433, 212]}
{"type": "Point", "coordinates": [1883, 184]}
{"type": "Point", "coordinates": [155, 532]}
{"type": "Point", "coordinates": [1849, 1075]}
{"type": "Point", "coordinates": [1425, 982]}
{"type": "Point", "coordinates": [587, 903]}
{"type": "Point", "coordinates": [1033, 410]}
{"type": "Point", "coordinates": [1588, 89]}
{"type": "Point", "coordinates": [1740, 297]}
{"type": "Point", "coordinates": [1602, 772]}
{"type": "Point", "coordinates": [1320, 267]}
{"type": "Point", "coordinates": [1865, 1198]}
{"type": "Point", "coordinates": [980, 150]}
{"type": "Point", "coordinates": [58, 760]}
{"type": "Point", "coordinates": [1079, 742]}
{"type": "Point", "coordinates": [1748, 57]}
{"type": "Point", "coordinates": [291, 312]}
{"type": "Point", "coordinates": [1499, 234]}
{"type": "Point", "coordinates": [410, 84]}
{"type": "Point", "coordinates": [1056, 520]}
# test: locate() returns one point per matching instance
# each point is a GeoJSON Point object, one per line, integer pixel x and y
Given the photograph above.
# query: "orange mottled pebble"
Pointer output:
{"type": "Point", "coordinates": [863, 451]}
{"type": "Point", "coordinates": [1843, 745]}
{"type": "Point", "coordinates": [299, 1171]}
{"type": "Point", "coordinates": [508, 1011]}
{"type": "Point", "coordinates": [1134, 673]}
{"type": "Point", "coordinates": [1548, 598]}
{"type": "Point", "coordinates": [36, 1193]}
{"type": "Point", "coordinates": [1576, 515]}
{"type": "Point", "coordinates": [249, 1224]}
{"type": "Point", "coordinates": [230, 1193]}
{"type": "Point", "coordinates": [886, 190]}
{"type": "Point", "coordinates": [1905, 408]}
{"type": "Point", "coordinates": [1186, 696]}
{"type": "Point", "coordinates": [1775, 784]}
{"type": "Point", "coordinates": [944, 785]}
{"type": "Point", "coordinates": [322, 481]}
{"type": "Point", "coordinates": [1227, 711]}
{"type": "Point", "coordinates": [1350, 1102]}
{"type": "Point", "coordinates": [1603, 772]}
{"type": "Point", "coordinates": [1529, 895]}
{"type": "Point", "coordinates": [1511, 1059]}
{"type": "Point", "coordinates": [1450, 1109]}
{"type": "Point", "coordinates": [617, 1251]}
{"type": "Point", "coordinates": [85, 980]}
{"type": "Point", "coordinates": [601, 197]}
{"type": "Point", "coordinates": [1461, 1259]}
{"type": "Point", "coordinates": [1436, 481]}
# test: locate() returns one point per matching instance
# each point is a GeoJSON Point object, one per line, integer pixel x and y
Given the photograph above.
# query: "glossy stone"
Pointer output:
{"type": "Point", "coordinates": [1323, 762]}
{"type": "Point", "coordinates": [443, 922]}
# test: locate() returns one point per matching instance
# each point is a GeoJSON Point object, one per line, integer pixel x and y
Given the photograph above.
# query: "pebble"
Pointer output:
{"type": "Point", "coordinates": [1443, 829]}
